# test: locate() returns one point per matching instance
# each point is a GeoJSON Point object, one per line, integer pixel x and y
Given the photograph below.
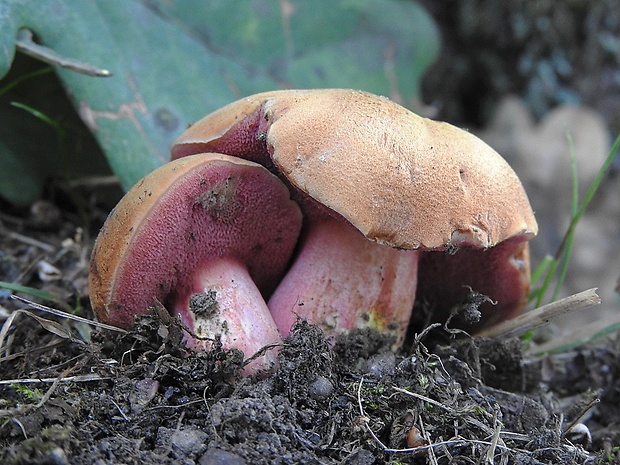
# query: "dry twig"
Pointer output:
{"type": "Point", "coordinates": [543, 315]}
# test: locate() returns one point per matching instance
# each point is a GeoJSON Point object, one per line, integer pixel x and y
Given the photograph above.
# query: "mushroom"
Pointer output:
{"type": "Point", "coordinates": [379, 186]}
{"type": "Point", "coordinates": [209, 236]}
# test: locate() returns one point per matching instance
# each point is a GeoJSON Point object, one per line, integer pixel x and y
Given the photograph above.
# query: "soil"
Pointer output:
{"type": "Point", "coordinates": [73, 393]}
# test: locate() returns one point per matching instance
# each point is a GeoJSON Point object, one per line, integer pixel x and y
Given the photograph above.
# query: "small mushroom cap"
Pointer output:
{"type": "Point", "coordinates": [401, 179]}
{"type": "Point", "coordinates": [189, 211]}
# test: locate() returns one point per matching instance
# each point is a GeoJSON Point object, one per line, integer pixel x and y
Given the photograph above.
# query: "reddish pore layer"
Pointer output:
{"type": "Point", "coordinates": [501, 273]}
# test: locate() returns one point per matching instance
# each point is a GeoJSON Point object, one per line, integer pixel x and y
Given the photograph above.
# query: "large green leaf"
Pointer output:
{"type": "Point", "coordinates": [382, 46]}
{"type": "Point", "coordinates": [175, 61]}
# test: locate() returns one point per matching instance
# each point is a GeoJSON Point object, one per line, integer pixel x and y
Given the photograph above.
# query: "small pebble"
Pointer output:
{"type": "Point", "coordinates": [189, 441]}
{"type": "Point", "coordinates": [143, 392]}
{"type": "Point", "coordinates": [321, 388]}
{"type": "Point", "coordinates": [220, 457]}
{"type": "Point", "coordinates": [360, 457]}
{"type": "Point", "coordinates": [57, 456]}
{"type": "Point", "coordinates": [380, 365]}
{"type": "Point", "coordinates": [580, 435]}
{"type": "Point", "coordinates": [44, 215]}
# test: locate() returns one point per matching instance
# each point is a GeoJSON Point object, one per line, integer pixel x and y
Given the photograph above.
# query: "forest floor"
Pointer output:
{"type": "Point", "coordinates": [71, 393]}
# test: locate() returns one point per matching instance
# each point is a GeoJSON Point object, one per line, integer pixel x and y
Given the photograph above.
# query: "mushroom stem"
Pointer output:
{"type": "Point", "coordinates": [341, 281]}
{"type": "Point", "coordinates": [223, 301]}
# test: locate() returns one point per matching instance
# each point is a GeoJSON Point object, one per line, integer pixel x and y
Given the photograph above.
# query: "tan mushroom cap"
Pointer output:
{"type": "Point", "coordinates": [401, 179]}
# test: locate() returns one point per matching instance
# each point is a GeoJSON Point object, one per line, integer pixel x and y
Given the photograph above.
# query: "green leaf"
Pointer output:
{"type": "Point", "coordinates": [15, 287]}
{"type": "Point", "coordinates": [381, 46]}
{"type": "Point", "coordinates": [174, 62]}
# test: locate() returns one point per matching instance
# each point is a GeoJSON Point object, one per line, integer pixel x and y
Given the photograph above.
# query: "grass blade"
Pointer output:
{"type": "Point", "coordinates": [28, 290]}
{"type": "Point", "coordinates": [564, 250]}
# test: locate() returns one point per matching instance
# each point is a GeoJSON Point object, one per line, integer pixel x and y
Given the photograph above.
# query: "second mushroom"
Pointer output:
{"type": "Point", "coordinates": [208, 236]}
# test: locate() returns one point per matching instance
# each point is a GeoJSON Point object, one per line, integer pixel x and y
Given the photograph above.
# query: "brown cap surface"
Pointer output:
{"type": "Point", "coordinates": [401, 179]}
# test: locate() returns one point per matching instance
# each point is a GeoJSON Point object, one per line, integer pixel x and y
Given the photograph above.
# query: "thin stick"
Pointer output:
{"type": "Point", "coordinates": [27, 46]}
{"type": "Point", "coordinates": [67, 379]}
{"type": "Point", "coordinates": [543, 315]}
{"type": "Point", "coordinates": [94, 181]}
{"type": "Point", "coordinates": [577, 418]}
{"type": "Point", "coordinates": [423, 398]}
{"type": "Point", "coordinates": [66, 315]}
{"type": "Point", "coordinates": [583, 334]}
{"type": "Point", "coordinates": [119, 410]}
{"type": "Point", "coordinates": [31, 241]}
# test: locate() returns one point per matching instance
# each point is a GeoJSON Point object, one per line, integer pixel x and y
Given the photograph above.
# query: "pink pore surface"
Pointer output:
{"type": "Point", "coordinates": [246, 139]}
{"type": "Point", "coordinates": [217, 210]}
{"type": "Point", "coordinates": [501, 273]}
{"type": "Point", "coordinates": [341, 281]}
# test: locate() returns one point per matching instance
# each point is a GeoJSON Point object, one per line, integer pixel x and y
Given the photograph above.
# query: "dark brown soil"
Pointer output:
{"type": "Point", "coordinates": [137, 397]}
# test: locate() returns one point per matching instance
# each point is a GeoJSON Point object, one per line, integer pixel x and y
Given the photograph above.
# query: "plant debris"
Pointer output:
{"type": "Point", "coordinates": [139, 397]}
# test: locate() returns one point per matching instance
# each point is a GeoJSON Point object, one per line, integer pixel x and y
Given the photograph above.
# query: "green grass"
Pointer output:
{"type": "Point", "coordinates": [556, 266]}
{"type": "Point", "coordinates": [28, 290]}
{"type": "Point", "coordinates": [32, 395]}
{"type": "Point", "coordinates": [61, 135]}
{"type": "Point", "coordinates": [25, 77]}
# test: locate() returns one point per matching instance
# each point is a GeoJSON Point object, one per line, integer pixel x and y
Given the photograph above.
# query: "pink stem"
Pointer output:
{"type": "Point", "coordinates": [341, 281]}
{"type": "Point", "coordinates": [224, 300]}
